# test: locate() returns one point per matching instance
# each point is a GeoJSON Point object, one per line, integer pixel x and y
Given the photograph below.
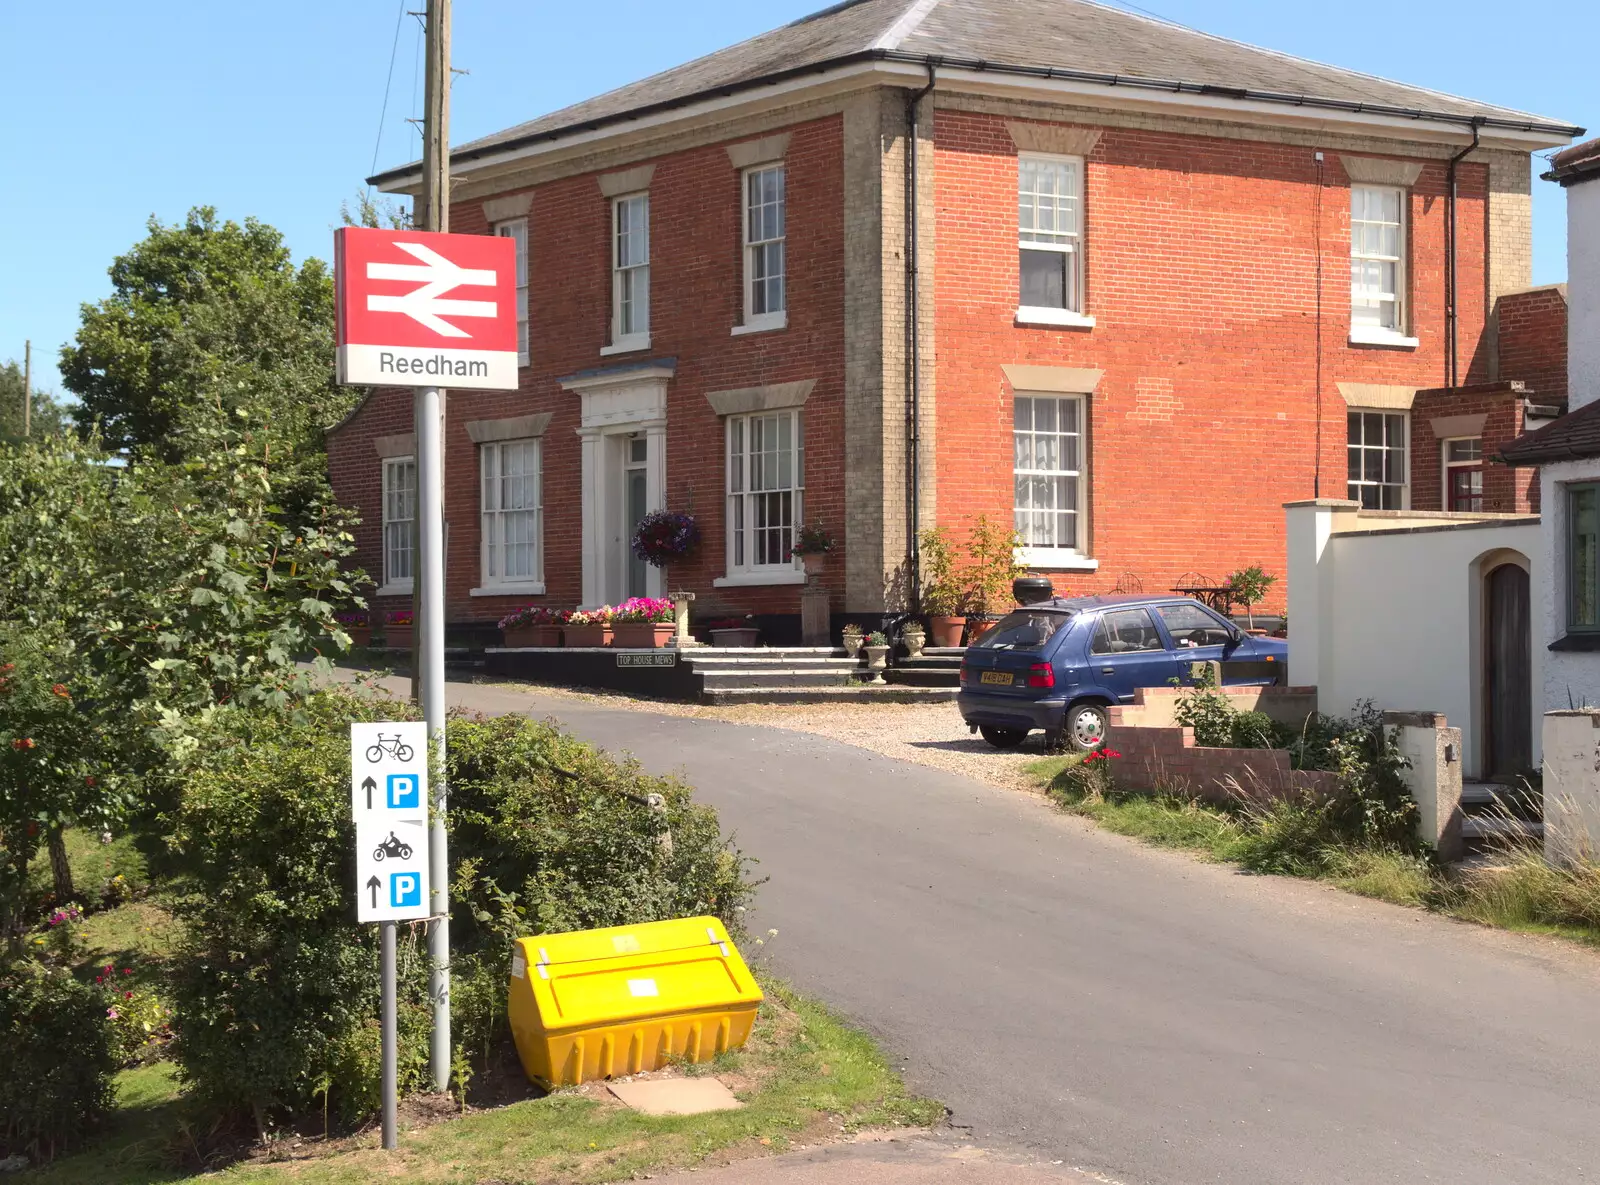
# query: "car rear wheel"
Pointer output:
{"type": "Point", "coordinates": [1002, 738]}
{"type": "Point", "coordinates": [1085, 727]}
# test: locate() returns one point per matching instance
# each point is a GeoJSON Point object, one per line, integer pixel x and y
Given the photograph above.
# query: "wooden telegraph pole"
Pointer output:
{"type": "Point", "coordinates": [27, 388]}
{"type": "Point", "coordinates": [428, 612]}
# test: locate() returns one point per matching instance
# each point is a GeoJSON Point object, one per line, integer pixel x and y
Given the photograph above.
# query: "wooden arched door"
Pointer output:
{"type": "Point", "coordinates": [1507, 672]}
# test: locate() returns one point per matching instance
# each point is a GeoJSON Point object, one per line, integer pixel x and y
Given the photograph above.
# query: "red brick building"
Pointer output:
{"type": "Point", "coordinates": [909, 261]}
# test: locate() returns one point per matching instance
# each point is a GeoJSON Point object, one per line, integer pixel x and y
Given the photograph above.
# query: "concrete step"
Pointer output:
{"type": "Point", "coordinates": [930, 662]}
{"type": "Point", "coordinates": [764, 652]}
{"type": "Point", "coordinates": [858, 693]}
{"type": "Point", "coordinates": [718, 680]}
{"type": "Point", "coordinates": [1498, 827]}
{"type": "Point", "coordinates": [791, 662]}
{"type": "Point", "coordinates": [944, 651]}
{"type": "Point", "coordinates": [1491, 799]}
{"type": "Point", "coordinates": [904, 676]}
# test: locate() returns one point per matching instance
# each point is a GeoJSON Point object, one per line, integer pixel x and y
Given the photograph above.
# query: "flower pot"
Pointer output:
{"type": "Point", "coordinates": [518, 636]}
{"type": "Point", "coordinates": [914, 638]}
{"type": "Point", "coordinates": [398, 637]}
{"type": "Point", "coordinates": [735, 637]}
{"type": "Point", "coordinates": [641, 635]}
{"type": "Point", "coordinates": [549, 635]}
{"type": "Point", "coordinates": [946, 630]}
{"type": "Point", "coordinates": [852, 644]}
{"type": "Point", "coordinates": [977, 627]}
{"type": "Point", "coordinates": [813, 562]}
{"type": "Point", "coordinates": [587, 635]}
{"type": "Point", "coordinates": [877, 660]}
{"type": "Point", "coordinates": [360, 635]}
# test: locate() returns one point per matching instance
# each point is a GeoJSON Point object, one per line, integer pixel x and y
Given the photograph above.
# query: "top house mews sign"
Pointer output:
{"type": "Point", "coordinates": [418, 309]}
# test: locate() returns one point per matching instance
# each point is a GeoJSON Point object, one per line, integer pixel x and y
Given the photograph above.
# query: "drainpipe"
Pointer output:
{"type": "Point", "coordinates": [1451, 365]}
{"type": "Point", "coordinates": [913, 426]}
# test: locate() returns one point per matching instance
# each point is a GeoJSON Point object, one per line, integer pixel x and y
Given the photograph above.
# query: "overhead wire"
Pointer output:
{"type": "Point", "coordinates": [388, 83]}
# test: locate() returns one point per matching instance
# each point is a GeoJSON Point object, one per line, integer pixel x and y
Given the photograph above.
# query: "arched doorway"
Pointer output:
{"type": "Point", "coordinates": [1508, 677]}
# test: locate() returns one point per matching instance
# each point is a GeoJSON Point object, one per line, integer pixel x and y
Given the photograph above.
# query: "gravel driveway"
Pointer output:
{"type": "Point", "coordinates": [928, 734]}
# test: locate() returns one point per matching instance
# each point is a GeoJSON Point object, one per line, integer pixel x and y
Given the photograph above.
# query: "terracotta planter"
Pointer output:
{"type": "Point", "coordinates": [587, 635]}
{"type": "Point", "coordinates": [398, 637]}
{"type": "Point", "coordinates": [735, 637]}
{"type": "Point", "coordinates": [642, 635]}
{"type": "Point", "coordinates": [519, 636]}
{"type": "Point", "coordinates": [946, 630]}
{"type": "Point", "coordinates": [360, 635]}
{"type": "Point", "coordinates": [813, 562]}
{"type": "Point", "coordinates": [977, 627]}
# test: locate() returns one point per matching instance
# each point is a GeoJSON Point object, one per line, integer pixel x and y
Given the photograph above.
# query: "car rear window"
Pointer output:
{"type": "Point", "coordinates": [1025, 629]}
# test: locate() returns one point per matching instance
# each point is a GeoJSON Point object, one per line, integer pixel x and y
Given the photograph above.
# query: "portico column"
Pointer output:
{"type": "Point", "coordinates": [655, 493]}
{"type": "Point", "coordinates": [592, 481]}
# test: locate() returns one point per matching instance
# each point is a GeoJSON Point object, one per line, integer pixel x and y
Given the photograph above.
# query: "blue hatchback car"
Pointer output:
{"type": "Point", "coordinates": [1059, 664]}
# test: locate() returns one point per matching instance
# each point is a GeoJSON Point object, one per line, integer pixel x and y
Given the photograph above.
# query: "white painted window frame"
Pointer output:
{"type": "Point", "coordinates": [1396, 334]}
{"type": "Point", "coordinates": [493, 517]}
{"type": "Point", "coordinates": [755, 322]}
{"type": "Point", "coordinates": [1071, 243]}
{"type": "Point", "coordinates": [1447, 466]}
{"type": "Point", "coordinates": [737, 490]}
{"type": "Point", "coordinates": [1044, 555]}
{"type": "Point", "coordinates": [638, 337]}
{"type": "Point", "coordinates": [516, 229]}
{"type": "Point", "coordinates": [404, 529]}
{"type": "Point", "coordinates": [1404, 450]}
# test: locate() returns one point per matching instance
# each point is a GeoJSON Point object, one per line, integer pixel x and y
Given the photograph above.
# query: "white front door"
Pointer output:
{"type": "Point", "coordinates": [635, 504]}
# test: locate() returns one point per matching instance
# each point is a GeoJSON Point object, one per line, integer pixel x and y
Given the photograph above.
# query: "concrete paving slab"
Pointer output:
{"type": "Point", "coordinates": [676, 1096]}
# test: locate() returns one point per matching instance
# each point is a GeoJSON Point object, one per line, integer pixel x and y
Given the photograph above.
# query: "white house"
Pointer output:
{"type": "Point", "coordinates": [1567, 452]}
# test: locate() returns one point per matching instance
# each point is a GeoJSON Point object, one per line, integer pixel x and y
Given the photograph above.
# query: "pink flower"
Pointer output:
{"type": "Point", "coordinates": [112, 1013]}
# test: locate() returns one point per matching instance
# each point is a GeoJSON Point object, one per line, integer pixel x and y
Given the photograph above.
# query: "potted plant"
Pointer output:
{"type": "Point", "coordinates": [734, 631]}
{"type": "Point", "coordinates": [589, 627]}
{"type": "Point", "coordinates": [533, 625]}
{"type": "Point", "coordinates": [397, 629]}
{"type": "Point", "coordinates": [852, 640]}
{"type": "Point", "coordinates": [643, 623]}
{"type": "Point", "coordinates": [812, 543]}
{"type": "Point", "coordinates": [942, 593]}
{"type": "Point", "coordinates": [991, 567]}
{"type": "Point", "coordinates": [877, 648]}
{"type": "Point", "coordinates": [358, 626]}
{"type": "Point", "coordinates": [1248, 586]}
{"type": "Point", "coordinates": [663, 536]}
{"type": "Point", "coordinates": [914, 637]}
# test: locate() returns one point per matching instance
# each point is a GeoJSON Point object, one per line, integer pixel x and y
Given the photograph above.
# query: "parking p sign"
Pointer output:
{"type": "Point", "coordinates": [389, 801]}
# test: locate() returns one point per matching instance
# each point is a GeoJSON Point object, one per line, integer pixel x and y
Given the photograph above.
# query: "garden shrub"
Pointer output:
{"type": "Point", "coordinates": [56, 1061]}
{"type": "Point", "coordinates": [276, 986]}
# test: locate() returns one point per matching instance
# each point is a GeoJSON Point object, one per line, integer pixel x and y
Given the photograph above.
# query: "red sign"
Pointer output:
{"type": "Point", "coordinates": [419, 309]}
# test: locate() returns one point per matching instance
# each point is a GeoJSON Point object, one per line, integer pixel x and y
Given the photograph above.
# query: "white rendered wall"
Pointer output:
{"type": "Point", "coordinates": [1583, 293]}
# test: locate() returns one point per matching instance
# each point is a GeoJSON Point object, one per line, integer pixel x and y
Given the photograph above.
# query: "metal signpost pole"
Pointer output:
{"type": "Point", "coordinates": [390, 1025]}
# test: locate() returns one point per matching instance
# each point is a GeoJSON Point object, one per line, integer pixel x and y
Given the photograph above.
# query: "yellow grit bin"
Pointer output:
{"type": "Point", "coordinates": [604, 1003]}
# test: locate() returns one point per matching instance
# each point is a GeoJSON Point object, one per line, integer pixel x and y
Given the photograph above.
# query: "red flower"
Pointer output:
{"type": "Point", "coordinates": [24, 743]}
{"type": "Point", "coordinates": [90, 781]}
{"type": "Point", "coordinates": [127, 995]}
{"type": "Point", "coordinates": [60, 690]}
{"type": "Point", "coordinates": [33, 829]}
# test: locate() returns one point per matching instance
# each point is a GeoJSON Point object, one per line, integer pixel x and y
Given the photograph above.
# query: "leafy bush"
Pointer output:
{"type": "Point", "coordinates": [58, 1058]}
{"type": "Point", "coordinates": [276, 986]}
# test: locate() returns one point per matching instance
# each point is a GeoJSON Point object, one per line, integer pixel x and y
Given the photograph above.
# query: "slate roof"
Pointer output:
{"type": "Point", "coordinates": [1574, 437]}
{"type": "Point", "coordinates": [1076, 39]}
{"type": "Point", "coordinates": [1581, 162]}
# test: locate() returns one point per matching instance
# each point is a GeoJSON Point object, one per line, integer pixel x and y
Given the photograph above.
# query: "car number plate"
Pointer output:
{"type": "Point", "coordinates": [997, 677]}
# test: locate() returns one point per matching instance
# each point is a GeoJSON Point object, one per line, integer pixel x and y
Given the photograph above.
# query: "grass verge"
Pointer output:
{"type": "Point", "coordinates": [805, 1077]}
{"type": "Point", "coordinates": [1517, 890]}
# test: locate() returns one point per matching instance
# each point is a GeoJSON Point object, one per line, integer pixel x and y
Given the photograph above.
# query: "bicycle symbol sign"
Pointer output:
{"type": "Point", "coordinates": [389, 802]}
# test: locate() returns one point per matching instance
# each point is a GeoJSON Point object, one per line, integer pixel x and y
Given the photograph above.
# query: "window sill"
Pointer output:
{"type": "Point", "coordinates": [762, 325]}
{"type": "Point", "coordinates": [398, 588]}
{"type": "Point", "coordinates": [626, 345]}
{"type": "Point", "coordinates": [509, 590]}
{"type": "Point", "coordinates": [1382, 337]}
{"type": "Point", "coordinates": [1033, 315]}
{"type": "Point", "coordinates": [1056, 559]}
{"type": "Point", "coordinates": [1587, 643]}
{"type": "Point", "coordinates": [756, 579]}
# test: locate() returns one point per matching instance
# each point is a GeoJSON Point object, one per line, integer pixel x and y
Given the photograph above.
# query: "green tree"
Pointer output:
{"type": "Point", "coordinates": [150, 595]}
{"type": "Point", "coordinates": [1248, 586]}
{"type": "Point", "coordinates": [47, 419]}
{"type": "Point", "coordinates": [211, 332]}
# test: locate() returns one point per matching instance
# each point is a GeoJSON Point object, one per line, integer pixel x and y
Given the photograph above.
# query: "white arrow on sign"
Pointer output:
{"type": "Point", "coordinates": [437, 275]}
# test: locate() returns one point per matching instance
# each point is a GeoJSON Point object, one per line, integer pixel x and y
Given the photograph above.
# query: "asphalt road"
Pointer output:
{"type": "Point", "coordinates": [1080, 997]}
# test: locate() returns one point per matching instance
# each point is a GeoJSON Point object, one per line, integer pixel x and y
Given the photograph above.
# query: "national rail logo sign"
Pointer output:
{"type": "Point", "coordinates": [419, 309]}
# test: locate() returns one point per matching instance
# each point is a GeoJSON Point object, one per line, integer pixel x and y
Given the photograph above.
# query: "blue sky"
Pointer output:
{"type": "Point", "coordinates": [273, 110]}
